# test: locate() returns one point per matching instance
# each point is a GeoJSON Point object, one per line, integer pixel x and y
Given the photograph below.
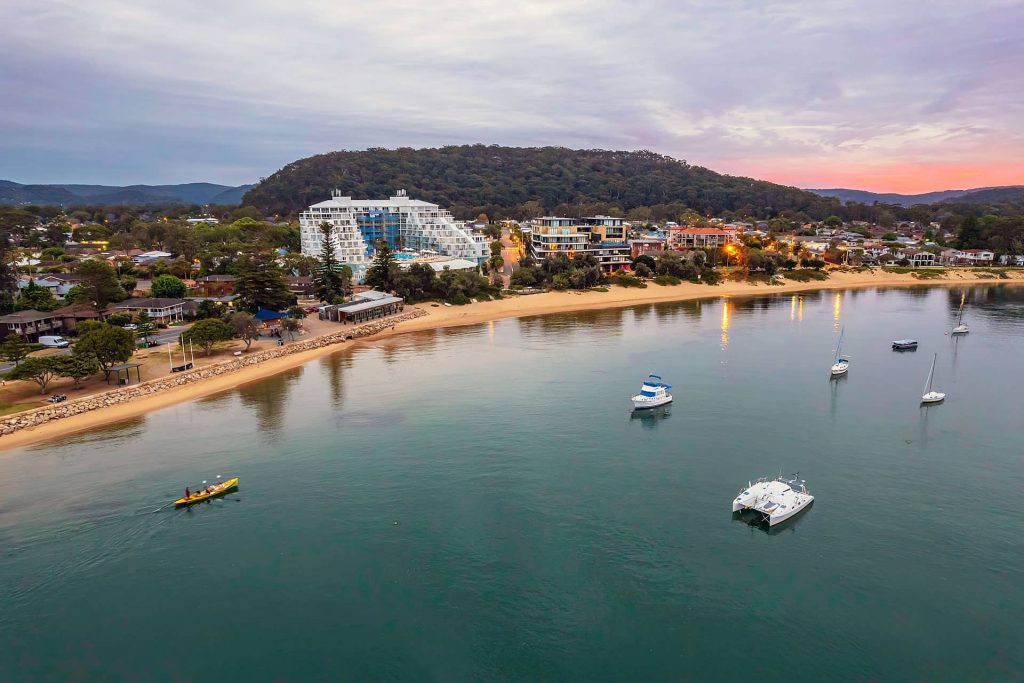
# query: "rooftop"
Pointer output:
{"type": "Point", "coordinates": [148, 303]}
{"type": "Point", "coordinates": [28, 316]}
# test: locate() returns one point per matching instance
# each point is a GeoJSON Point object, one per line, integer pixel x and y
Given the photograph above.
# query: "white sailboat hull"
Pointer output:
{"type": "Point", "coordinates": [840, 369]}
{"type": "Point", "coordinates": [645, 402]}
{"type": "Point", "coordinates": [933, 397]}
{"type": "Point", "coordinates": [961, 329]}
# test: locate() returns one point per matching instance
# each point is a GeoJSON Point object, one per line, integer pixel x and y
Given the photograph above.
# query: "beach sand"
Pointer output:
{"type": "Point", "coordinates": [517, 306]}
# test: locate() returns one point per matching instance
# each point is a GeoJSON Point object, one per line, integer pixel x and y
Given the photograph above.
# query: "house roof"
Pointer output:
{"type": "Point", "coordinates": [216, 278]}
{"type": "Point", "coordinates": [149, 303]}
{"type": "Point", "coordinates": [77, 311]}
{"type": "Point", "coordinates": [28, 316]}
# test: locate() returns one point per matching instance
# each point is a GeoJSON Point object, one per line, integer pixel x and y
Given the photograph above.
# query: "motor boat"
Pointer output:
{"type": "Point", "coordinates": [904, 344]}
{"type": "Point", "coordinates": [775, 500]}
{"type": "Point", "coordinates": [652, 394]}
{"type": "Point", "coordinates": [930, 395]}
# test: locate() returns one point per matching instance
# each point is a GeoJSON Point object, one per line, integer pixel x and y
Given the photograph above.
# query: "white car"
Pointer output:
{"type": "Point", "coordinates": [131, 326]}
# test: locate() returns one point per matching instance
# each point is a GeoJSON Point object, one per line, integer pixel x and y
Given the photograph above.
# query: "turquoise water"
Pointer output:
{"type": "Point", "coordinates": [479, 504]}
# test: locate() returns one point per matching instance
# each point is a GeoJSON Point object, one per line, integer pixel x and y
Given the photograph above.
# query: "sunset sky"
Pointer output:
{"type": "Point", "coordinates": [906, 96]}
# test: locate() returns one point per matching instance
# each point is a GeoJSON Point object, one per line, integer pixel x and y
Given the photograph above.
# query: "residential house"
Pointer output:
{"type": "Point", "coordinates": [151, 256]}
{"type": "Point", "coordinates": [30, 325]}
{"type": "Point", "coordinates": [77, 313]}
{"type": "Point", "coordinates": [699, 238]}
{"type": "Point", "coordinates": [917, 257]}
{"type": "Point", "coordinates": [365, 306]}
{"type": "Point", "coordinates": [646, 246]}
{"type": "Point", "coordinates": [215, 285]}
{"type": "Point", "coordinates": [1012, 260]}
{"type": "Point", "coordinates": [164, 310]}
{"type": "Point", "coordinates": [300, 285]}
{"type": "Point", "coordinates": [967, 257]}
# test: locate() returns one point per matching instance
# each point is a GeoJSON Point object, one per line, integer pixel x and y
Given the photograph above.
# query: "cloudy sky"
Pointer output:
{"type": "Point", "coordinates": [893, 95]}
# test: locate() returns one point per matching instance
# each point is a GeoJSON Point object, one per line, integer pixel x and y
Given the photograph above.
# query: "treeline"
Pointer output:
{"type": "Point", "coordinates": [525, 182]}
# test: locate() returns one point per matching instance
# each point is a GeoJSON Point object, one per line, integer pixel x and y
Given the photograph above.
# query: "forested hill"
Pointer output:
{"type": "Point", "coordinates": [505, 181]}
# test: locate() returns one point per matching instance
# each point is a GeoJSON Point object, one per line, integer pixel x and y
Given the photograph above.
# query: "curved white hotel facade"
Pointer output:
{"type": "Point", "coordinates": [402, 222]}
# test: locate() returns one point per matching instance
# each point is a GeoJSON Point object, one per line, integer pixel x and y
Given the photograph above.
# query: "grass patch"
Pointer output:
{"type": "Point", "coordinates": [804, 274]}
{"type": "Point", "coordinates": [599, 289]}
{"type": "Point", "coordinates": [919, 273]}
{"type": "Point", "coordinates": [8, 408]}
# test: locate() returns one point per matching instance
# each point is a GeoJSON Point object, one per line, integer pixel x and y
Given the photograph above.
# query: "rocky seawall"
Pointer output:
{"type": "Point", "coordinates": [38, 416]}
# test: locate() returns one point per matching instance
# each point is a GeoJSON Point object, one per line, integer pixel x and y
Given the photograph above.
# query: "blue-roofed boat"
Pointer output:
{"type": "Point", "coordinates": [652, 394]}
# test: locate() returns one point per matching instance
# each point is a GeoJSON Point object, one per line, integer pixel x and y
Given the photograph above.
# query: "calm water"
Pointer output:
{"type": "Point", "coordinates": [478, 504]}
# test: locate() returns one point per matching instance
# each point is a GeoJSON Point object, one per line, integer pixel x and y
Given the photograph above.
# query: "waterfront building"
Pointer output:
{"type": "Point", "coordinates": [402, 222]}
{"type": "Point", "coordinates": [699, 238]}
{"type": "Point", "coordinates": [364, 306]}
{"type": "Point", "coordinates": [603, 237]}
{"type": "Point", "coordinates": [30, 325]}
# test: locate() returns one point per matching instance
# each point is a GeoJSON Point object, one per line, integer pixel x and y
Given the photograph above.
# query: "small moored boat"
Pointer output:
{"type": "Point", "coordinates": [841, 363]}
{"type": "Point", "coordinates": [904, 344]}
{"type": "Point", "coordinates": [930, 395]}
{"type": "Point", "coordinates": [652, 394]}
{"type": "Point", "coordinates": [208, 493]}
{"type": "Point", "coordinates": [960, 327]}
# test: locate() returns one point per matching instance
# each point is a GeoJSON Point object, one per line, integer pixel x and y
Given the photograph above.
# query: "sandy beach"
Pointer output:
{"type": "Point", "coordinates": [451, 316]}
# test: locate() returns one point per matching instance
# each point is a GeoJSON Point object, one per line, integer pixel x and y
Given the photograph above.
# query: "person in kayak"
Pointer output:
{"type": "Point", "coordinates": [188, 493]}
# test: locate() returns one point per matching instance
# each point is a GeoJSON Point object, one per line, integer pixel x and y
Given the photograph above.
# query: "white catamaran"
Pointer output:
{"type": "Point", "coordinates": [652, 394]}
{"type": "Point", "coordinates": [775, 500]}
{"type": "Point", "coordinates": [931, 396]}
{"type": "Point", "coordinates": [840, 364]}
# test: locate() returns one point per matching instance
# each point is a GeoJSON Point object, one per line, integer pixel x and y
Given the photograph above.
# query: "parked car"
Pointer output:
{"type": "Point", "coordinates": [131, 326]}
{"type": "Point", "coordinates": [54, 342]}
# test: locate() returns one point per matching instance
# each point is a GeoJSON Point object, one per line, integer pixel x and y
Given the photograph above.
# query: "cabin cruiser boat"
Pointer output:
{"type": "Point", "coordinates": [775, 500]}
{"type": "Point", "coordinates": [904, 344]}
{"type": "Point", "coordinates": [652, 394]}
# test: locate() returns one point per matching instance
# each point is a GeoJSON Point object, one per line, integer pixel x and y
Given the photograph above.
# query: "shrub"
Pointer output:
{"type": "Point", "coordinates": [627, 280]}
{"type": "Point", "coordinates": [667, 280]}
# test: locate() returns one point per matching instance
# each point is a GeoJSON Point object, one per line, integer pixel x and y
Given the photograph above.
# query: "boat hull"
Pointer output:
{"type": "Point", "coordinates": [840, 369]}
{"type": "Point", "coordinates": [789, 513]}
{"type": "Point", "coordinates": [933, 397]}
{"type": "Point", "coordinates": [904, 345]}
{"type": "Point", "coordinates": [961, 329]}
{"type": "Point", "coordinates": [219, 490]}
{"type": "Point", "coordinates": [644, 403]}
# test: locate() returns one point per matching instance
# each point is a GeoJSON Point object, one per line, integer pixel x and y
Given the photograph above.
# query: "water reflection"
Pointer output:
{"type": "Point", "coordinates": [268, 399]}
{"type": "Point", "coordinates": [650, 417]}
{"type": "Point", "coordinates": [336, 365]}
{"type": "Point", "coordinates": [109, 435]}
{"type": "Point", "coordinates": [725, 324]}
{"type": "Point", "coordinates": [837, 307]}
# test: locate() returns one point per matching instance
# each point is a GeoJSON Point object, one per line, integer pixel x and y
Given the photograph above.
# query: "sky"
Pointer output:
{"type": "Point", "coordinates": [892, 96]}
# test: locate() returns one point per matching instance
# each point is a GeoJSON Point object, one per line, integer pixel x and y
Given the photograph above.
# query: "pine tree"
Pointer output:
{"type": "Point", "coordinates": [330, 276]}
{"type": "Point", "coordinates": [381, 274]}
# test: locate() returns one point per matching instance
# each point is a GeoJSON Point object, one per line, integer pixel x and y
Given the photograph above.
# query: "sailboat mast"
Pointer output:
{"type": "Point", "coordinates": [931, 374]}
{"type": "Point", "coordinates": [839, 346]}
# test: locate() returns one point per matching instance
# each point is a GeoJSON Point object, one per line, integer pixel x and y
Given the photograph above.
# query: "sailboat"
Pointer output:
{"type": "Point", "coordinates": [960, 327]}
{"type": "Point", "coordinates": [931, 396]}
{"type": "Point", "coordinates": [840, 364]}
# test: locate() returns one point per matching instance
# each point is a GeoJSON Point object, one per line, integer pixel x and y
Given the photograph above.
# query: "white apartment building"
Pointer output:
{"type": "Point", "coordinates": [402, 222]}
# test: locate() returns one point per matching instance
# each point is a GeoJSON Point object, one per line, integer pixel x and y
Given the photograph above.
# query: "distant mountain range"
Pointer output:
{"type": "Point", "coordinates": [978, 194]}
{"type": "Point", "coordinates": [108, 195]}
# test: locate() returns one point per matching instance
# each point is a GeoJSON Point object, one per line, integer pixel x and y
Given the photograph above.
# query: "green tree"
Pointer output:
{"type": "Point", "coordinates": [969, 235]}
{"type": "Point", "coordinates": [167, 287]}
{"type": "Point", "coordinates": [209, 309]}
{"type": "Point", "coordinates": [496, 261]}
{"type": "Point", "coordinates": [77, 366]}
{"type": "Point", "coordinates": [14, 349]}
{"type": "Point", "coordinates": [290, 325]}
{"type": "Point", "coordinates": [382, 272]}
{"type": "Point", "coordinates": [833, 221]}
{"type": "Point", "coordinates": [330, 278]}
{"type": "Point", "coordinates": [208, 332]}
{"type": "Point", "coordinates": [100, 286]}
{"type": "Point", "coordinates": [261, 284]}
{"type": "Point", "coordinates": [36, 298]}
{"type": "Point", "coordinates": [110, 345]}
{"type": "Point", "coordinates": [39, 369]}
{"type": "Point", "coordinates": [119, 319]}
{"type": "Point", "coordinates": [145, 325]}
{"type": "Point", "coordinates": [245, 327]}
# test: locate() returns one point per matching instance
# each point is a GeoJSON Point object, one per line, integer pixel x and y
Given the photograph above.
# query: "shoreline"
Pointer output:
{"type": "Point", "coordinates": [458, 316]}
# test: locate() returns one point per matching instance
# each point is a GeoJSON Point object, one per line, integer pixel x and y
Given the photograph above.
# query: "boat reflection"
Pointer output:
{"type": "Point", "coordinates": [650, 417]}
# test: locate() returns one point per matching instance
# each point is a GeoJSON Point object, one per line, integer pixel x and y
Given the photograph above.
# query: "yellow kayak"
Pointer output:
{"type": "Point", "coordinates": [208, 493]}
